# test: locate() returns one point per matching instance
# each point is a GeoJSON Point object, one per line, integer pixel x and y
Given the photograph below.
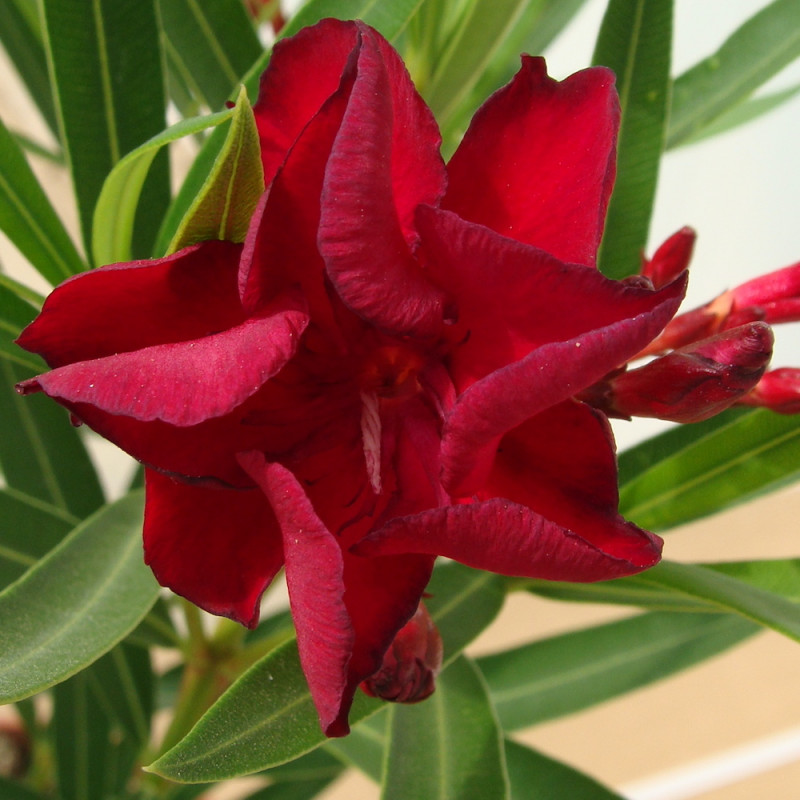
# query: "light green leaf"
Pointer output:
{"type": "Point", "coordinates": [742, 114]}
{"type": "Point", "coordinates": [567, 673]}
{"type": "Point", "coordinates": [105, 63]}
{"type": "Point", "coordinates": [729, 594]}
{"type": "Point", "coordinates": [115, 212]}
{"type": "Point", "coordinates": [698, 470]}
{"type": "Point", "coordinates": [212, 43]}
{"type": "Point", "coordinates": [28, 219]}
{"type": "Point", "coordinates": [533, 775]}
{"type": "Point", "coordinates": [76, 603]}
{"type": "Point", "coordinates": [448, 747]}
{"type": "Point", "coordinates": [21, 36]}
{"type": "Point", "coordinates": [223, 207]}
{"type": "Point", "coordinates": [761, 47]}
{"type": "Point", "coordinates": [267, 717]}
{"type": "Point", "coordinates": [41, 454]}
{"type": "Point", "coordinates": [635, 41]}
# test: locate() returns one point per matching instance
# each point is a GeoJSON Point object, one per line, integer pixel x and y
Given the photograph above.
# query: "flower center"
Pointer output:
{"type": "Point", "coordinates": [390, 372]}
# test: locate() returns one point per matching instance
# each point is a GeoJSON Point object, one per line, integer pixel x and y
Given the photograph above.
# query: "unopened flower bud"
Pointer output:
{"type": "Point", "coordinates": [778, 390]}
{"type": "Point", "coordinates": [671, 258]}
{"type": "Point", "coordinates": [411, 664]}
{"type": "Point", "coordinates": [776, 294]}
{"type": "Point", "coordinates": [693, 383]}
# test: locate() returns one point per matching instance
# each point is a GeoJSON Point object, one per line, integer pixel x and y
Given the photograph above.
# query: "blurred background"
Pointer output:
{"type": "Point", "coordinates": [729, 730]}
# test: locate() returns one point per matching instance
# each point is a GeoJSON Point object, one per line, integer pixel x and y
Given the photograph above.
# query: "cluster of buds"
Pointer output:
{"type": "Point", "coordinates": [712, 357]}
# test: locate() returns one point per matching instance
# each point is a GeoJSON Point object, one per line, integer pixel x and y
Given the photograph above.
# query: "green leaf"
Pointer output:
{"type": "Point", "coordinates": [115, 211]}
{"type": "Point", "coordinates": [227, 200]}
{"type": "Point", "coordinates": [316, 765]}
{"type": "Point", "coordinates": [448, 747]}
{"type": "Point", "coordinates": [105, 62]}
{"type": "Point", "coordinates": [635, 41]}
{"type": "Point", "coordinates": [156, 629]}
{"type": "Point", "coordinates": [729, 594]}
{"type": "Point", "coordinates": [267, 717]}
{"type": "Point", "coordinates": [296, 790]}
{"type": "Point", "coordinates": [76, 603]}
{"type": "Point", "coordinates": [41, 454]}
{"type": "Point", "coordinates": [212, 43]}
{"type": "Point", "coordinates": [11, 790]}
{"type": "Point", "coordinates": [364, 747]}
{"type": "Point", "coordinates": [722, 464]}
{"type": "Point", "coordinates": [93, 762]}
{"type": "Point", "coordinates": [31, 528]}
{"type": "Point", "coordinates": [22, 39]}
{"type": "Point", "coordinates": [742, 114]}
{"type": "Point", "coordinates": [534, 775]}
{"type": "Point", "coordinates": [761, 47]}
{"type": "Point", "coordinates": [567, 673]}
{"type": "Point", "coordinates": [28, 219]}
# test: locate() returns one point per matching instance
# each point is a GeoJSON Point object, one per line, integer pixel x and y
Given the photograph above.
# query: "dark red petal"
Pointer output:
{"type": "Point", "coordinates": [315, 578]}
{"type": "Point", "coordinates": [130, 306]}
{"type": "Point", "coordinates": [218, 548]}
{"type": "Point", "coordinates": [671, 258]}
{"type": "Point", "coordinates": [384, 162]}
{"type": "Point", "coordinates": [537, 163]}
{"type": "Point", "coordinates": [187, 382]}
{"type": "Point", "coordinates": [303, 72]}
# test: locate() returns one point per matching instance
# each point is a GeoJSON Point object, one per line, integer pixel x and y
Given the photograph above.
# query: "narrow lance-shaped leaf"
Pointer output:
{"type": "Point", "coordinates": [105, 62]}
{"type": "Point", "coordinates": [534, 775]}
{"type": "Point", "coordinates": [28, 219]}
{"type": "Point", "coordinates": [563, 674]}
{"type": "Point", "coordinates": [213, 41]}
{"type": "Point", "coordinates": [448, 747]}
{"type": "Point", "coordinates": [635, 41]}
{"type": "Point", "coordinates": [21, 37]}
{"type": "Point", "coordinates": [76, 603]}
{"type": "Point", "coordinates": [115, 211]}
{"type": "Point", "coordinates": [755, 52]}
{"type": "Point", "coordinates": [729, 462]}
{"type": "Point", "coordinates": [15, 313]}
{"type": "Point", "coordinates": [267, 717]}
{"type": "Point", "coordinates": [227, 200]}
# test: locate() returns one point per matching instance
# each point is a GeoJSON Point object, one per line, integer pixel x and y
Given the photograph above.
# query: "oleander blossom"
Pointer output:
{"type": "Point", "coordinates": [386, 369]}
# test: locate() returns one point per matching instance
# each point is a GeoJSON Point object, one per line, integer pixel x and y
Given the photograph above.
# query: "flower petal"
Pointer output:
{"type": "Point", "coordinates": [218, 548]}
{"type": "Point", "coordinates": [303, 72]}
{"type": "Point", "coordinates": [315, 578]}
{"type": "Point", "coordinates": [538, 161]}
{"type": "Point", "coordinates": [187, 382]}
{"type": "Point", "coordinates": [384, 162]}
{"type": "Point", "coordinates": [130, 306]}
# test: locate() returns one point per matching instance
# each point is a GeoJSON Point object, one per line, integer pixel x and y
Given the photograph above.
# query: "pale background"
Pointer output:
{"type": "Point", "coordinates": [729, 730]}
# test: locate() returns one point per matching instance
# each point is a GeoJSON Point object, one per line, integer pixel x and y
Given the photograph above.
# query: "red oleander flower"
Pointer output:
{"type": "Point", "coordinates": [386, 369]}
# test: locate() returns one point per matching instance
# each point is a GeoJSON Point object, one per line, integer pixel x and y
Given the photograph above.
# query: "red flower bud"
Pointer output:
{"type": "Point", "coordinates": [777, 294]}
{"type": "Point", "coordinates": [671, 258]}
{"type": "Point", "coordinates": [693, 383]}
{"type": "Point", "coordinates": [411, 664]}
{"type": "Point", "coordinates": [778, 390]}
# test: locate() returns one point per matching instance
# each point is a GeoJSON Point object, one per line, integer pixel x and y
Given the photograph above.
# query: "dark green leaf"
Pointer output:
{"type": "Point", "coordinates": [635, 41]}
{"type": "Point", "coordinates": [567, 673]}
{"type": "Point", "coordinates": [722, 464]}
{"type": "Point", "coordinates": [364, 747]}
{"type": "Point", "coordinates": [448, 747]}
{"type": "Point", "coordinates": [296, 790]}
{"type": "Point", "coordinates": [534, 776]}
{"type": "Point", "coordinates": [76, 603]}
{"type": "Point", "coordinates": [212, 43]}
{"type": "Point", "coordinates": [754, 53]}
{"type": "Point", "coordinates": [115, 211]}
{"type": "Point", "coordinates": [22, 40]}
{"type": "Point", "coordinates": [105, 61]}
{"type": "Point", "coordinates": [41, 454]}
{"type": "Point", "coordinates": [729, 594]}
{"type": "Point", "coordinates": [267, 718]}
{"type": "Point", "coordinates": [28, 219]}
{"type": "Point", "coordinates": [313, 766]}
{"type": "Point", "coordinates": [30, 529]}
{"type": "Point", "coordinates": [11, 790]}
{"type": "Point", "coordinates": [155, 629]}
{"type": "Point", "coordinates": [224, 205]}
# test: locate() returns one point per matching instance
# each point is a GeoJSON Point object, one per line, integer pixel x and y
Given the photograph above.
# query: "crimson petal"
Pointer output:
{"type": "Point", "coordinates": [218, 548]}
{"type": "Point", "coordinates": [187, 382]}
{"type": "Point", "coordinates": [315, 578]}
{"type": "Point", "coordinates": [384, 162]}
{"type": "Point", "coordinates": [538, 161]}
